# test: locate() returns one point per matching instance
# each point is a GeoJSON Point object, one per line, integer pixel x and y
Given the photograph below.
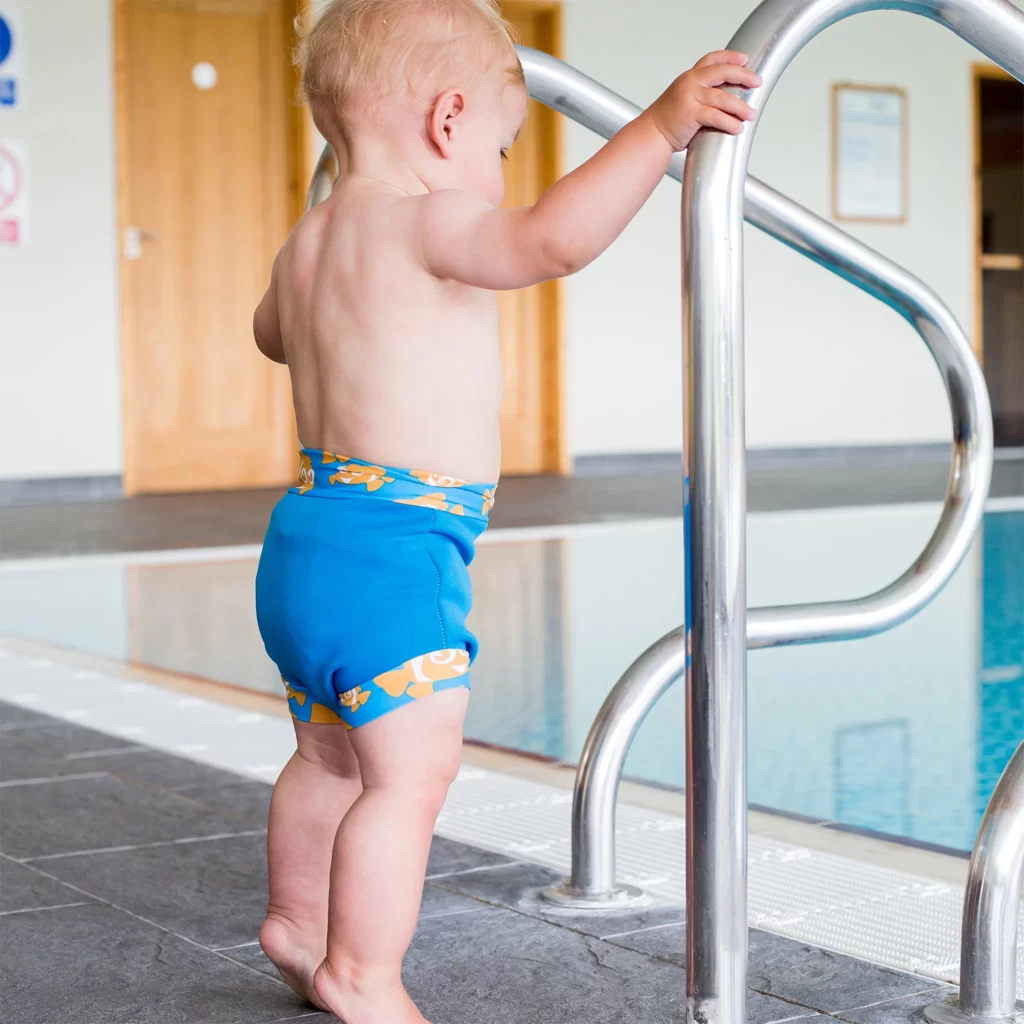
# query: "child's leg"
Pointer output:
{"type": "Point", "coordinates": [407, 759]}
{"type": "Point", "coordinates": [318, 785]}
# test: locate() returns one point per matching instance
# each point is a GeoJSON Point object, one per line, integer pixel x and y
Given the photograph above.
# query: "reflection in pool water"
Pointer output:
{"type": "Point", "coordinates": [904, 733]}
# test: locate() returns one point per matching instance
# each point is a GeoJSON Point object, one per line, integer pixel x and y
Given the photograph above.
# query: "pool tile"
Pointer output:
{"type": "Point", "coordinates": [448, 857]}
{"type": "Point", "coordinates": [245, 802]}
{"type": "Point", "coordinates": [22, 888]}
{"type": "Point", "coordinates": [828, 981]}
{"type": "Point", "coordinates": [69, 815]}
{"type": "Point", "coordinates": [42, 752]}
{"type": "Point", "coordinates": [898, 1011]}
{"type": "Point", "coordinates": [213, 892]}
{"type": "Point", "coordinates": [95, 963]}
{"type": "Point", "coordinates": [546, 975]}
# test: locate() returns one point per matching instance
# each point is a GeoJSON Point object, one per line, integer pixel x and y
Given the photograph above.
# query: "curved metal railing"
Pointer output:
{"type": "Point", "coordinates": [988, 931]}
{"type": "Point", "coordinates": [592, 880]}
{"type": "Point", "coordinates": [713, 459]}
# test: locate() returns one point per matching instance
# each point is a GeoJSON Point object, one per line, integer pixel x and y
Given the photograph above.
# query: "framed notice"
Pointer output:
{"type": "Point", "coordinates": [869, 153]}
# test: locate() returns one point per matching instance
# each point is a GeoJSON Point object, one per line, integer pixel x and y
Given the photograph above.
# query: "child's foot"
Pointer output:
{"type": "Point", "coordinates": [295, 958]}
{"type": "Point", "coordinates": [365, 1000]}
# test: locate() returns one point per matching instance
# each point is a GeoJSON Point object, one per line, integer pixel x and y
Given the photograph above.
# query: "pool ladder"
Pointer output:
{"type": "Point", "coordinates": [709, 649]}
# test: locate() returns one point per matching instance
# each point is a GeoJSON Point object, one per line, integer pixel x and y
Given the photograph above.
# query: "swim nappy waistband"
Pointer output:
{"type": "Point", "coordinates": [330, 475]}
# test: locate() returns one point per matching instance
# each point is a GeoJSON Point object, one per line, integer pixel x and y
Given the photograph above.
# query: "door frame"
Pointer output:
{"type": "Point", "coordinates": [556, 458]}
{"type": "Point", "coordinates": [299, 143]}
{"type": "Point", "coordinates": [980, 71]}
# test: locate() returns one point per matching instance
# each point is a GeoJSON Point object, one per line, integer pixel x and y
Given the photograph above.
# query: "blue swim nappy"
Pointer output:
{"type": "Point", "coordinates": [363, 586]}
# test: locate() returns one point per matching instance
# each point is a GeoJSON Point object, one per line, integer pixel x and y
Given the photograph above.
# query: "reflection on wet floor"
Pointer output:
{"type": "Point", "coordinates": [903, 733]}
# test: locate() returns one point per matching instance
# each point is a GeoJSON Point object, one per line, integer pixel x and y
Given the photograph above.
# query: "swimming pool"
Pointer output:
{"type": "Point", "coordinates": [904, 733]}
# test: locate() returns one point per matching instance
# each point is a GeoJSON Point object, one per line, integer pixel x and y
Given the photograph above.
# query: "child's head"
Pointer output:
{"type": "Point", "coordinates": [438, 81]}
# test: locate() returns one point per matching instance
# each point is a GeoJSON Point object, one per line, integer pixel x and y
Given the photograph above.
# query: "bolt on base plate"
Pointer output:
{"type": "Point", "coordinates": [949, 1012]}
{"type": "Point", "coordinates": [565, 895]}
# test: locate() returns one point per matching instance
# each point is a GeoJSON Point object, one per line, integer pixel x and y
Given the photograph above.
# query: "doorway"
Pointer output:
{"type": "Point", "coordinates": [213, 168]}
{"type": "Point", "coordinates": [999, 204]}
{"type": "Point", "coordinates": [210, 167]}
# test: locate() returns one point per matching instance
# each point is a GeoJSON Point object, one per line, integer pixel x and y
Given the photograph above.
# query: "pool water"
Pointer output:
{"type": "Point", "coordinates": [904, 733]}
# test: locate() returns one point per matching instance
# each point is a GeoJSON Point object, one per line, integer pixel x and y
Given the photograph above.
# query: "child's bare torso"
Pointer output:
{"type": "Point", "coordinates": [389, 364]}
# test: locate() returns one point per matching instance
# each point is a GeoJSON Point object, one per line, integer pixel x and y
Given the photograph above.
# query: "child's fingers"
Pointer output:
{"type": "Point", "coordinates": [728, 74]}
{"type": "Point", "coordinates": [722, 57]}
{"type": "Point", "coordinates": [712, 117]}
{"type": "Point", "coordinates": [731, 104]}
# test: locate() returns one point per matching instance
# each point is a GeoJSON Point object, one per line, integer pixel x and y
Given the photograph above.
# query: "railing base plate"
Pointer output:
{"type": "Point", "coordinates": [949, 1012]}
{"type": "Point", "coordinates": [621, 896]}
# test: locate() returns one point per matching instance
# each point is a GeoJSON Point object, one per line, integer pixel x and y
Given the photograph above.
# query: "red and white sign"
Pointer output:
{"type": "Point", "coordinates": [13, 192]}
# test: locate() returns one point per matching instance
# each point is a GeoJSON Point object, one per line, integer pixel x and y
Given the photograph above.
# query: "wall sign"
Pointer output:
{"type": "Point", "coordinates": [10, 53]}
{"type": "Point", "coordinates": [13, 192]}
{"type": "Point", "coordinates": [869, 153]}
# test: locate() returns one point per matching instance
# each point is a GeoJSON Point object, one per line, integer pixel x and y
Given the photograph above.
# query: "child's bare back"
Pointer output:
{"type": "Point", "coordinates": [382, 305]}
{"type": "Point", "coordinates": [388, 362]}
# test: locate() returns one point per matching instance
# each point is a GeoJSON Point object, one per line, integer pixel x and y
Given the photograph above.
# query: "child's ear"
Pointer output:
{"type": "Point", "coordinates": [446, 120]}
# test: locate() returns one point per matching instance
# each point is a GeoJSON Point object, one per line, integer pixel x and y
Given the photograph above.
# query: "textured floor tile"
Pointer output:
{"type": "Point", "coordinates": [448, 857]}
{"type": "Point", "coordinates": [43, 752]}
{"type": "Point", "coordinates": [777, 966]}
{"type": "Point", "coordinates": [505, 886]}
{"type": "Point", "coordinates": [500, 967]}
{"type": "Point", "coordinates": [56, 748]}
{"type": "Point", "coordinates": [21, 888]}
{"type": "Point", "coordinates": [898, 1011]}
{"type": "Point", "coordinates": [243, 801]}
{"type": "Point", "coordinates": [96, 965]}
{"type": "Point", "coordinates": [87, 814]}
{"type": "Point", "coordinates": [816, 977]}
{"type": "Point", "coordinates": [252, 956]}
{"type": "Point", "coordinates": [151, 522]}
{"type": "Point", "coordinates": [518, 885]}
{"type": "Point", "coordinates": [440, 902]}
{"type": "Point", "coordinates": [667, 943]}
{"type": "Point", "coordinates": [213, 892]}
{"type": "Point", "coordinates": [13, 716]}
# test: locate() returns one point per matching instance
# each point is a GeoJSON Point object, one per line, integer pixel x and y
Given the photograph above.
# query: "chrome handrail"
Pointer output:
{"type": "Point", "coordinates": [592, 880]}
{"type": "Point", "coordinates": [579, 97]}
{"type": "Point", "coordinates": [988, 930]}
{"type": "Point", "coordinates": [715, 490]}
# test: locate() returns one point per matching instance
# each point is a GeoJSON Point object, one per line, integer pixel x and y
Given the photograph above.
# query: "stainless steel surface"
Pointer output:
{"type": "Point", "coordinates": [988, 933]}
{"type": "Point", "coordinates": [577, 96]}
{"type": "Point", "coordinates": [605, 112]}
{"type": "Point", "coordinates": [592, 884]}
{"type": "Point", "coordinates": [715, 481]}
{"type": "Point", "coordinates": [324, 175]}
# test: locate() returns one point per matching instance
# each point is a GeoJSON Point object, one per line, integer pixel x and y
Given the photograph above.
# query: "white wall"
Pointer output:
{"type": "Point", "coordinates": [826, 365]}
{"type": "Point", "coordinates": [60, 389]}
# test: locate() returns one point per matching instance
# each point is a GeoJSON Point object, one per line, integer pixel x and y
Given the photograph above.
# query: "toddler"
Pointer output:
{"type": "Point", "coordinates": [381, 304]}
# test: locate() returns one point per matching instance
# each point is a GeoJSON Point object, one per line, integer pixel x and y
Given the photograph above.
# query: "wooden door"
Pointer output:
{"type": "Point", "coordinates": [531, 414]}
{"type": "Point", "coordinates": [209, 186]}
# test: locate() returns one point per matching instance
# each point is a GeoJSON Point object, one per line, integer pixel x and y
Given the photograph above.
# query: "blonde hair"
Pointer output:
{"type": "Point", "coordinates": [360, 51]}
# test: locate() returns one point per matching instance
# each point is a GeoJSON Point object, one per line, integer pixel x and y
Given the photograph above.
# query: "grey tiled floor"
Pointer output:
{"type": "Point", "coordinates": [133, 884]}
{"type": "Point", "coordinates": [155, 522]}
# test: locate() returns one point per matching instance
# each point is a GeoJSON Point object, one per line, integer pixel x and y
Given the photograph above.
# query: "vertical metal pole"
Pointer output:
{"type": "Point", "coordinates": [988, 932]}
{"type": "Point", "coordinates": [715, 479]}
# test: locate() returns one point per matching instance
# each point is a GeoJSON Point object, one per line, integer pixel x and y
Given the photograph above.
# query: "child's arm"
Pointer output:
{"type": "Point", "coordinates": [466, 239]}
{"type": "Point", "coordinates": [266, 321]}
